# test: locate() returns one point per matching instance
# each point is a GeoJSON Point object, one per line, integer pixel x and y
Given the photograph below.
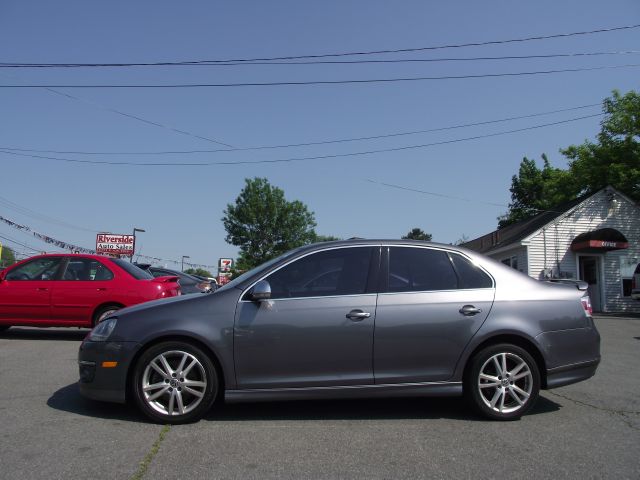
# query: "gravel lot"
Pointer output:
{"type": "Point", "coordinates": [587, 430]}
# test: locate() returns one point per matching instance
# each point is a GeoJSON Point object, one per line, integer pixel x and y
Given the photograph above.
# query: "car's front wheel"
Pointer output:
{"type": "Point", "coordinates": [175, 382]}
{"type": "Point", "coordinates": [503, 382]}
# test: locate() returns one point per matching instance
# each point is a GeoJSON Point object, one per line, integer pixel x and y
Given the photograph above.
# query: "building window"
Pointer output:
{"type": "Point", "coordinates": [627, 270]}
{"type": "Point", "coordinates": [511, 262]}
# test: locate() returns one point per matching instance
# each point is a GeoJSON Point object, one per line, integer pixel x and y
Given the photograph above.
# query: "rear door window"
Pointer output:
{"type": "Point", "coordinates": [419, 270]}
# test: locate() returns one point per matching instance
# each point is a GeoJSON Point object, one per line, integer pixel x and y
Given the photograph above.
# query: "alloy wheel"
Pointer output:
{"type": "Point", "coordinates": [505, 383]}
{"type": "Point", "coordinates": [174, 383]}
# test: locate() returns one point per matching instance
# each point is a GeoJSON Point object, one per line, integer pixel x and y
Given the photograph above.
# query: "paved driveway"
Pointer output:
{"type": "Point", "coordinates": [587, 430]}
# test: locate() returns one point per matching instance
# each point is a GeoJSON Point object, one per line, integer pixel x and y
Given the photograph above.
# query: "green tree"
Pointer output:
{"type": "Point", "coordinates": [264, 224]}
{"type": "Point", "coordinates": [615, 158]}
{"type": "Point", "coordinates": [417, 234]}
{"type": "Point", "coordinates": [198, 271]}
{"type": "Point", "coordinates": [8, 257]}
{"type": "Point", "coordinates": [325, 238]}
{"type": "Point", "coordinates": [534, 190]}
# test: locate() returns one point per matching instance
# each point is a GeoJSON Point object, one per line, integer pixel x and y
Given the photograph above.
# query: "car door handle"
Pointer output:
{"type": "Point", "coordinates": [42, 289]}
{"type": "Point", "coordinates": [357, 315]}
{"type": "Point", "coordinates": [469, 310]}
{"type": "Point", "coordinates": [102, 289]}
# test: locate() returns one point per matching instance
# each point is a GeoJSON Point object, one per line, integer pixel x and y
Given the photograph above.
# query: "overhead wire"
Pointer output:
{"type": "Point", "coordinates": [377, 52]}
{"type": "Point", "coordinates": [298, 159]}
{"type": "Point", "coordinates": [323, 82]}
{"type": "Point", "coordinates": [306, 144]}
{"type": "Point", "coordinates": [317, 62]}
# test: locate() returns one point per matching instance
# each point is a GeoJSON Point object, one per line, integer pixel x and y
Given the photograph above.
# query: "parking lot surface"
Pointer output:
{"type": "Point", "coordinates": [586, 430]}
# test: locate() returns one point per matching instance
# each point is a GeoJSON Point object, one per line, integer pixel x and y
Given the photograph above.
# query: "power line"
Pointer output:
{"type": "Point", "coordinates": [312, 62]}
{"type": "Point", "coordinates": [19, 243]}
{"type": "Point", "coordinates": [325, 82]}
{"type": "Point", "coordinates": [453, 197]}
{"type": "Point", "coordinates": [306, 144]}
{"type": "Point", "coordinates": [138, 118]}
{"type": "Point", "coordinates": [298, 159]}
{"type": "Point", "coordinates": [378, 52]}
{"type": "Point", "coordinates": [39, 216]}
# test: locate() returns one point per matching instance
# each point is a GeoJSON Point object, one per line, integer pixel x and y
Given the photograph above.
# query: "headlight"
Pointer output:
{"type": "Point", "coordinates": [102, 331]}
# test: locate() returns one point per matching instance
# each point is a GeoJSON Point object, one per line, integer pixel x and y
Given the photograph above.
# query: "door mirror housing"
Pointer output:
{"type": "Point", "coordinates": [3, 274]}
{"type": "Point", "coordinates": [261, 291]}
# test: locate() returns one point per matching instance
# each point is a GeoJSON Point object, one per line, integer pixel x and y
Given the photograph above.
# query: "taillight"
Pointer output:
{"type": "Point", "coordinates": [586, 305]}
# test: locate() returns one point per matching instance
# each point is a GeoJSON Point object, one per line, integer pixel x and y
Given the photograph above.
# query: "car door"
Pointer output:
{"type": "Point", "coordinates": [311, 333]}
{"type": "Point", "coordinates": [85, 284]}
{"type": "Point", "coordinates": [431, 305]}
{"type": "Point", "coordinates": [25, 291]}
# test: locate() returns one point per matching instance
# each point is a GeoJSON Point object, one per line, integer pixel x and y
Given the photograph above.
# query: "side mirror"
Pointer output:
{"type": "Point", "coordinates": [261, 291]}
{"type": "Point", "coordinates": [3, 274]}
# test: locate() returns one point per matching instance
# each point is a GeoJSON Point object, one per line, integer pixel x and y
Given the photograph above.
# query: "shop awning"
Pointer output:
{"type": "Point", "coordinates": [598, 241]}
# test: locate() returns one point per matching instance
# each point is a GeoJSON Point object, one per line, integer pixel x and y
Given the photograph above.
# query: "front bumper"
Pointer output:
{"type": "Point", "coordinates": [103, 368]}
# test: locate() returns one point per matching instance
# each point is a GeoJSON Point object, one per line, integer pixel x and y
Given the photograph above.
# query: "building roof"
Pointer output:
{"type": "Point", "coordinates": [519, 231]}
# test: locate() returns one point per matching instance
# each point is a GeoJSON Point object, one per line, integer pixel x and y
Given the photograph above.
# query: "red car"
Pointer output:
{"type": "Point", "coordinates": [59, 290]}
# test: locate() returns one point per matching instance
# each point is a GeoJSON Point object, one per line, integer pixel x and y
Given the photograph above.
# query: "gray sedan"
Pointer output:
{"type": "Point", "coordinates": [356, 318]}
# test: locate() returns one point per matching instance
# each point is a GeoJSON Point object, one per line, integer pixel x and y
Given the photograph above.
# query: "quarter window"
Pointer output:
{"type": "Point", "coordinates": [37, 269]}
{"type": "Point", "coordinates": [469, 275]}
{"type": "Point", "coordinates": [342, 271]}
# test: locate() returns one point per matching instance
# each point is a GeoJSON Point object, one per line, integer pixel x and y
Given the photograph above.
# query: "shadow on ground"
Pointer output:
{"type": "Point", "coordinates": [32, 333]}
{"type": "Point", "coordinates": [68, 399]}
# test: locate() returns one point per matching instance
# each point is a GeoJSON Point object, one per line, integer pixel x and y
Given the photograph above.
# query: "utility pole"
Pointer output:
{"type": "Point", "coordinates": [183, 257]}
{"type": "Point", "coordinates": [134, 241]}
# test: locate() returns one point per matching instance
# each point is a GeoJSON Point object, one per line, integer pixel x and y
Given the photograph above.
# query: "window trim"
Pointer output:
{"type": "Point", "coordinates": [370, 283]}
{"type": "Point", "coordinates": [384, 277]}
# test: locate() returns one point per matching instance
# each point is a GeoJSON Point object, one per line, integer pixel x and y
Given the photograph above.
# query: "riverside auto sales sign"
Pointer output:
{"type": "Point", "coordinates": [114, 244]}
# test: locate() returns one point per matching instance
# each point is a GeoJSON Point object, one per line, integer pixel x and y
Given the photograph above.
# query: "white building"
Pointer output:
{"type": "Point", "coordinates": [596, 239]}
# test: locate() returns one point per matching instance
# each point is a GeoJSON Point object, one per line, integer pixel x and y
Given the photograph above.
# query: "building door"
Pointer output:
{"type": "Point", "coordinates": [590, 273]}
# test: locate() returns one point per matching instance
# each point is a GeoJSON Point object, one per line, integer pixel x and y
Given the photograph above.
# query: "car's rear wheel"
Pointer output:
{"type": "Point", "coordinates": [503, 382]}
{"type": "Point", "coordinates": [175, 382]}
{"type": "Point", "coordinates": [102, 313]}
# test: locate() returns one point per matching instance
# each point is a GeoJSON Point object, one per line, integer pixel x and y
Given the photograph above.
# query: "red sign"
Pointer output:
{"type": "Point", "coordinates": [114, 244]}
{"type": "Point", "coordinates": [600, 245]}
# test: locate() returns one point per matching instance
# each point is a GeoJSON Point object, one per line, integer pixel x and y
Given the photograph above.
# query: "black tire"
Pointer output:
{"type": "Point", "coordinates": [196, 386]}
{"type": "Point", "coordinates": [100, 314]}
{"type": "Point", "coordinates": [499, 396]}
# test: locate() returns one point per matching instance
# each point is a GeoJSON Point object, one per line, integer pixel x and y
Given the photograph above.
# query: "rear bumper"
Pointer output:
{"type": "Point", "coordinates": [568, 374]}
{"type": "Point", "coordinates": [103, 381]}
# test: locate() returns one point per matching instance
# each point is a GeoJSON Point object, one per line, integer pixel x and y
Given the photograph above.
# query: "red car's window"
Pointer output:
{"type": "Point", "coordinates": [36, 269]}
{"type": "Point", "coordinates": [86, 269]}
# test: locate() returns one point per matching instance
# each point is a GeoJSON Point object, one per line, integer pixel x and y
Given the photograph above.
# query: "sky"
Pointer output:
{"type": "Point", "coordinates": [463, 185]}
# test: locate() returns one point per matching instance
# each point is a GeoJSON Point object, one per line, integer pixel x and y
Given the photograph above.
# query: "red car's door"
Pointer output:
{"type": "Point", "coordinates": [25, 291]}
{"type": "Point", "coordinates": [84, 285]}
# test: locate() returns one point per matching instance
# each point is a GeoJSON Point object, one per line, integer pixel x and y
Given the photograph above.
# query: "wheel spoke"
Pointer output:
{"type": "Point", "coordinates": [155, 386]}
{"type": "Point", "coordinates": [497, 365]}
{"type": "Point", "coordinates": [517, 369]}
{"type": "Point", "coordinates": [193, 392]}
{"type": "Point", "coordinates": [520, 391]}
{"type": "Point", "coordinates": [194, 383]}
{"type": "Point", "coordinates": [172, 398]}
{"type": "Point", "coordinates": [491, 381]}
{"type": "Point", "coordinates": [182, 362]}
{"type": "Point", "coordinates": [521, 375]}
{"type": "Point", "coordinates": [158, 369]}
{"type": "Point", "coordinates": [515, 396]}
{"type": "Point", "coordinates": [186, 371]}
{"type": "Point", "coordinates": [166, 365]}
{"type": "Point", "coordinates": [158, 394]}
{"type": "Point", "coordinates": [502, 398]}
{"type": "Point", "coordinates": [504, 364]}
{"type": "Point", "coordinates": [496, 397]}
{"type": "Point", "coordinates": [180, 404]}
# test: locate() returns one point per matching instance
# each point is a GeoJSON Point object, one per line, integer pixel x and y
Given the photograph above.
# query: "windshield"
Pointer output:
{"type": "Point", "coordinates": [257, 270]}
{"type": "Point", "coordinates": [131, 269]}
